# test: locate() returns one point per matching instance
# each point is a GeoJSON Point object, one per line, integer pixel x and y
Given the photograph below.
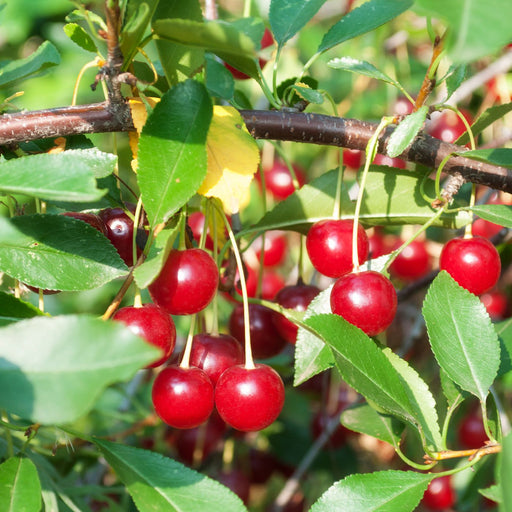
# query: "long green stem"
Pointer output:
{"type": "Point", "coordinates": [249, 361]}
{"type": "Point", "coordinates": [371, 151]}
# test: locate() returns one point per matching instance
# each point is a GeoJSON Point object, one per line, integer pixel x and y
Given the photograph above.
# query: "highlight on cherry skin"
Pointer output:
{"type": "Point", "coordinates": [329, 246]}
{"type": "Point", "coordinates": [183, 397]}
{"type": "Point", "coordinates": [249, 399]}
{"type": "Point", "coordinates": [473, 262]}
{"type": "Point", "coordinates": [187, 282]}
{"type": "Point", "coordinates": [365, 299]}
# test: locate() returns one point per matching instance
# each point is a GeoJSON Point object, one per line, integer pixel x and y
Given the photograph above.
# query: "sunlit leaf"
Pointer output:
{"type": "Point", "coordinates": [159, 484]}
{"type": "Point", "coordinates": [484, 120]}
{"type": "Point", "coordinates": [233, 158]}
{"type": "Point", "coordinates": [460, 331]}
{"type": "Point", "coordinates": [406, 132]}
{"type": "Point", "coordinates": [383, 491]}
{"type": "Point", "coordinates": [80, 37]}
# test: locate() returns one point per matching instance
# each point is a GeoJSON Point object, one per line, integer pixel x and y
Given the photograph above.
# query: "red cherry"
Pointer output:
{"type": "Point", "coordinates": [214, 354]}
{"type": "Point", "coordinates": [448, 126]}
{"type": "Point", "coordinates": [195, 444]}
{"type": "Point", "coordinates": [439, 494]}
{"type": "Point", "coordinates": [271, 284]}
{"type": "Point", "coordinates": [187, 282]}
{"type": "Point", "coordinates": [278, 180]}
{"type": "Point", "coordinates": [412, 263]}
{"type": "Point", "coordinates": [297, 297]}
{"type": "Point", "coordinates": [390, 162]}
{"type": "Point", "coordinates": [249, 399]}
{"type": "Point", "coordinates": [365, 299]}
{"type": "Point", "coordinates": [496, 303]}
{"type": "Point", "coordinates": [274, 250]}
{"type": "Point", "coordinates": [329, 246]}
{"type": "Point", "coordinates": [485, 228]}
{"type": "Point", "coordinates": [471, 432]}
{"type": "Point", "coordinates": [93, 220]}
{"type": "Point", "coordinates": [473, 262]}
{"type": "Point", "coordinates": [153, 324]}
{"type": "Point", "coordinates": [183, 397]}
{"type": "Point", "coordinates": [119, 227]}
{"type": "Point", "coordinates": [196, 222]}
{"type": "Point", "coordinates": [379, 244]}
{"type": "Point", "coordinates": [352, 158]}
{"type": "Point", "coordinates": [265, 339]}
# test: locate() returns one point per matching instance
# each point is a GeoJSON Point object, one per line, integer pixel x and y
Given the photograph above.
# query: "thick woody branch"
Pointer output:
{"type": "Point", "coordinates": [272, 125]}
{"type": "Point", "coordinates": [355, 134]}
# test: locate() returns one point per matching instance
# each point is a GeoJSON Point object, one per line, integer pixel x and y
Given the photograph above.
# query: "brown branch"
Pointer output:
{"type": "Point", "coordinates": [355, 134]}
{"type": "Point", "coordinates": [262, 124]}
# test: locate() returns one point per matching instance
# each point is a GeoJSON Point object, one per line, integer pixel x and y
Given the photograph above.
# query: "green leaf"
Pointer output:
{"type": "Point", "coordinates": [13, 309]}
{"type": "Point", "coordinates": [504, 472]}
{"type": "Point", "coordinates": [312, 355]}
{"type": "Point", "coordinates": [363, 19]}
{"type": "Point", "coordinates": [365, 367]}
{"type": "Point", "coordinates": [20, 489]}
{"type": "Point", "coordinates": [66, 176]}
{"type": "Point", "coordinates": [366, 420]}
{"type": "Point", "coordinates": [454, 78]}
{"type": "Point", "coordinates": [383, 491]}
{"type": "Point", "coordinates": [159, 484]}
{"type": "Point", "coordinates": [57, 252]}
{"type": "Point", "coordinates": [492, 493]}
{"type": "Point", "coordinates": [363, 68]}
{"type": "Point", "coordinates": [460, 331]}
{"type": "Point", "coordinates": [80, 37]}
{"type": "Point", "coordinates": [475, 29]}
{"type": "Point", "coordinates": [421, 400]}
{"type": "Point", "coordinates": [137, 17]}
{"type": "Point", "coordinates": [453, 394]}
{"type": "Point", "coordinates": [287, 17]}
{"type": "Point", "coordinates": [406, 132]}
{"type": "Point", "coordinates": [219, 80]}
{"type": "Point", "coordinates": [498, 213]}
{"type": "Point", "coordinates": [310, 95]}
{"type": "Point", "coordinates": [43, 58]}
{"type": "Point", "coordinates": [172, 150]}
{"type": "Point", "coordinates": [178, 61]}
{"type": "Point", "coordinates": [391, 198]}
{"type": "Point", "coordinates": [52, 369]}
{"type": "Point", "coordinates": [504, 330]}
{"type": "Point", "coordinates": [231, 45]}
{"type": "Point", "coordinates": [149, 270]}
{"type": "Point", "coordinates": [496, 156]}
{"type": "Point", "coordinates": [251, 27]}
{"type": "Point", "coordinates": [484, 120]}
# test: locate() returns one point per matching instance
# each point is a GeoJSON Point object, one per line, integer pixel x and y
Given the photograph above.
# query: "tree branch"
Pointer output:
{"type": "Point", "coordinates": [262, 124]}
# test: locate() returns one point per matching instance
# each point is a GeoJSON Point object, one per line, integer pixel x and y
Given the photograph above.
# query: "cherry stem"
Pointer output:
{"type": "Point", "coordinates": [249, 361]}
{"type": "Point", "coordinates": [295, 181]}
{"type": "Point", "coordinates": [371, 151]}
{"type": "Point", "coordinates": [215, 238]}
{"type": "Point", "coordinates": [423, 228]}
{"type": "Point", "coordinates": [185, 360]}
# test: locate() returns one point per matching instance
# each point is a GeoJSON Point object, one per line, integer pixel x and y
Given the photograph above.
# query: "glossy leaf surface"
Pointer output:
{"type": "Point", "coordinates": [20, 489]}
{"type": "Point", "coordinates": [383, 491]}
{"type": "Point", "coordinates": [460, 331]}
{"type": "Point", "coordinates": [57, 252]}
{"type": "Point", "coordinates": [159, 484]}
{"type": "Point", "coordinates": [172, 150]}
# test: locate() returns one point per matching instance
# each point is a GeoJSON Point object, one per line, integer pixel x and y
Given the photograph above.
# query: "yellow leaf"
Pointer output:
{"type": "Point", "coordinates": [233, 158]}
{"type": "Point", "coordinates": [139, 116]}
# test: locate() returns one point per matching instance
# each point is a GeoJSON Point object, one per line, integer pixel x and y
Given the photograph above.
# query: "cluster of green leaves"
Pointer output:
{"type": "Point", "coordinates": [54, 369]}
